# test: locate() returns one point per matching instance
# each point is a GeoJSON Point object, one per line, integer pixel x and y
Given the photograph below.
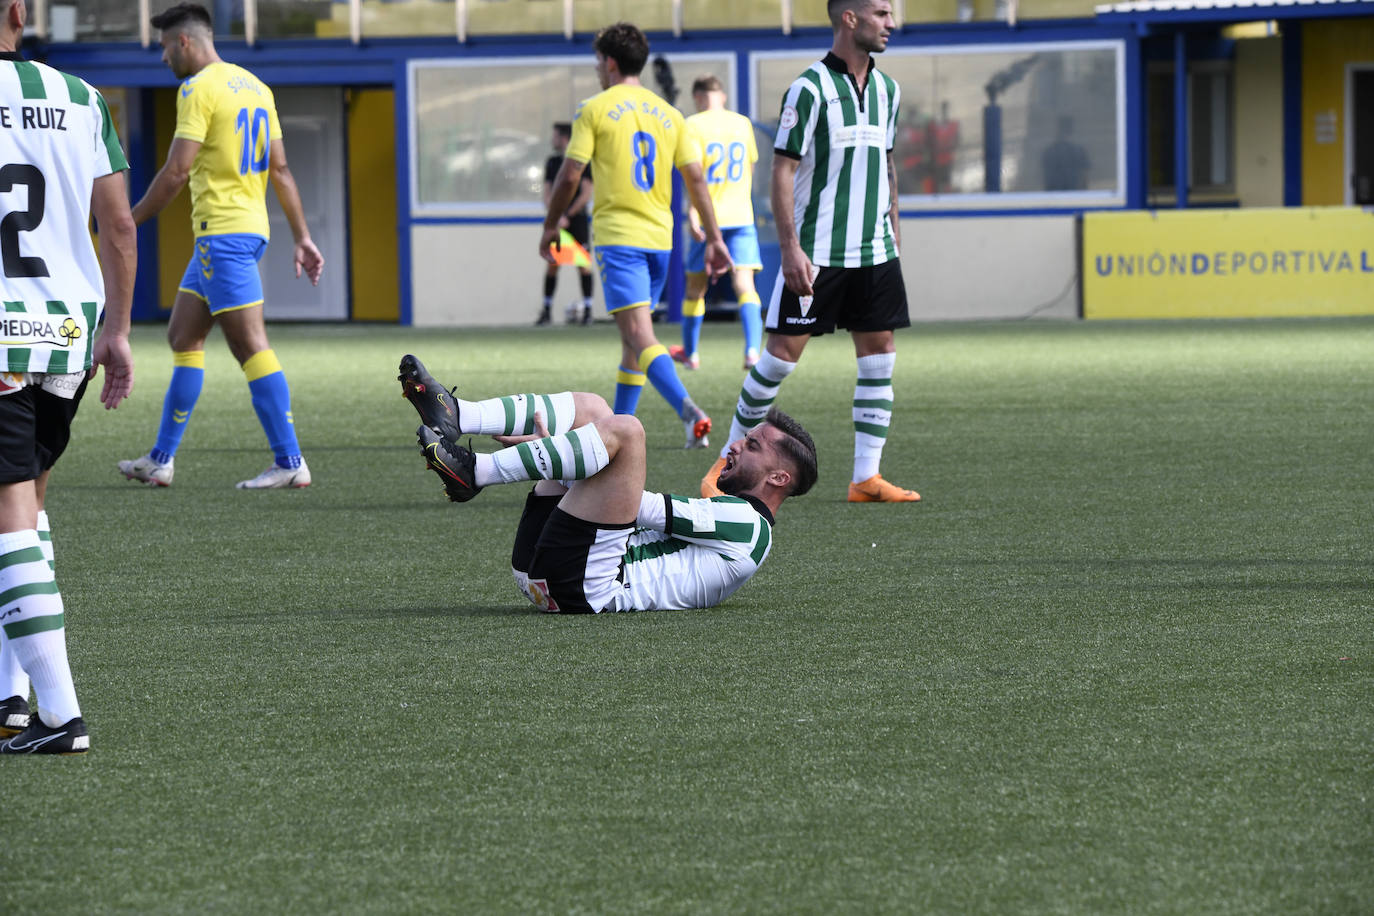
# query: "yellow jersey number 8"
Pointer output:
{"type": "Point", "coordinates": [642, 149]}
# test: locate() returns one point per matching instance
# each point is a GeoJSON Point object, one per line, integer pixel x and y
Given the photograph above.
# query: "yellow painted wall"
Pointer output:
{"type": "Point", "coordinates": [174, 240]}
{"type": "Point", "coordinates": [372, 205]}
{"type": "Point", "coordinates": [1328, 46]}
{"type": "Point", "coordinates": [1259, 124]}
{"type": "Point", "coordinates": [1243, 263]}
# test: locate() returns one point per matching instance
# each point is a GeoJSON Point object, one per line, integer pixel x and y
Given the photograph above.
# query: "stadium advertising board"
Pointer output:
{"type": "Point", "coordinates": [1228, 263]}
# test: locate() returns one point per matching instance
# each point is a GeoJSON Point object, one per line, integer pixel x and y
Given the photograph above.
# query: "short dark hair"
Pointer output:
{"type": "Point", "coordinates": [835, 8]}
{"type": "Point", "coordinates": [625, 44]}
{"type": "Point", "coordinates": [563, 128]}
{"type": "Point", "coordinates": [796, 444]}
{"type": "Point", "coordinates": [182, 14]}
{"type": "Point", "coordinates": [707, 82]}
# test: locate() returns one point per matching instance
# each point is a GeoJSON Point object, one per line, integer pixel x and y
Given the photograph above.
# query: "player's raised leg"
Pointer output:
{"type": "Point", "coordinates": [509, 415]}
{"type": "Point", "coordinates": [577, 454]}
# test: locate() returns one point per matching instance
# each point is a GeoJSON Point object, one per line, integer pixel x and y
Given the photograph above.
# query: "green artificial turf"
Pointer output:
{"type": "Point", "coordinates": [1118, 660]}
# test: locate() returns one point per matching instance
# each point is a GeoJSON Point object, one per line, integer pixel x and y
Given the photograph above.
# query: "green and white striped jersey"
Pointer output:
{"type": "Point", "coordinates": [56, 139]}
{"type": "Point", "coordinates": [841, 137]}
{"type": "Point", "coordinates": [692, 552]}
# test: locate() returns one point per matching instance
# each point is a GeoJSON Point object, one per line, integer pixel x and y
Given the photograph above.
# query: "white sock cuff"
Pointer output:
{"type": "Point", "coordinates": [771, 367]}
{"type": "Point", "coordinates": [11, 541]}
{"type": "Point", "coordinates": [877, 365]}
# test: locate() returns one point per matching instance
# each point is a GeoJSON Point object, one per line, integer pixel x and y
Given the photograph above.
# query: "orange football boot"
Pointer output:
{"type": "Point", "coordinates": [708, 483]}
{"type": "Point", "coordinates": [877, 490]}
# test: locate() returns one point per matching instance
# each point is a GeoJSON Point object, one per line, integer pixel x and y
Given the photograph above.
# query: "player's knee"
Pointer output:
{"type": "Point", "coordinates": [621, 432]}
{"type": "Point", "coordinates": [590, 407]}
{"type": "Point", "coordinates": [180, 341]}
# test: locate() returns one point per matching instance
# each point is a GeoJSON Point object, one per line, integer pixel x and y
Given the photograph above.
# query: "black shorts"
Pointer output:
{"type": "Point", "coordinates": [849, 298]}
{"type": "Point", "coordinates": [564, 564]}
{"type": "Point", "coordinates": [35, 427]}
{"type": "Point", "coordinates": [579, 227]}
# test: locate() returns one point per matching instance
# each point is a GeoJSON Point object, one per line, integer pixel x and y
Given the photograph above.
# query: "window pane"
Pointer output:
{"type": "Point", "coordinates": [482, 127]}
{"type": "Point", "coordinates": [649, 15]}
{"type": "Point", "coordinates": [104, 20]}
{"type": "Point", "coordinates": [1054, 110]}
{"type": "Point", "coordinates": [809, 12]}
{"type": "Point", "coordinates": [1160, 130]}
{"type": "Point", "coordinates": [731, 14]}
{"type": "Point", "coordinates": [300, 19]}
{"type": "Point", "coordinates": [1210, 130]}
{"type": "Point", "coordinates": [507, 17]}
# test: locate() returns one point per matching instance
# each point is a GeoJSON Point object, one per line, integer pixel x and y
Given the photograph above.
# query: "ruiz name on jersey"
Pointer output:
{"type": "Point", "coordinates": [34, 117]}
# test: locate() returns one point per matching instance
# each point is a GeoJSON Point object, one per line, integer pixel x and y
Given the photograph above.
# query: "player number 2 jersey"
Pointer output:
{"type": "Point", "coordinates": [56, 139]}
{"type": "Point", "coordinates": [692, 552]}
{"type": "Point", "coordinates": [233, 116]}
{"type": "Point", "coordinates": [632, 139]}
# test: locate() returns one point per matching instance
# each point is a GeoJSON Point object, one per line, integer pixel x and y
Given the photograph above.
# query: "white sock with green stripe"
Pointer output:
{"type": "Point", "coordinates": [13, 681]}
{"type": "Point", "coordinates": [756, 395]}
{"type": "Point", "coordinates": [575, 455]}
{"type": "Point", "coordinates": [513, 415]}
{"type": "Point", "coordinates": [31, 615]}
{"type": "Point", "coordinates": [872, 412]}
{"type": "Point", "coordinates": [45, 537]}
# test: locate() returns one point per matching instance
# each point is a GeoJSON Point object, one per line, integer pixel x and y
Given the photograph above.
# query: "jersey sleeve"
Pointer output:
{"type": "Point", "coordinates": [688, 145]}
{"type": "Point", "coordinates": [194, 106]}
{"type": "Point", "coordinates": [653, 512]}
{"type": "Point", "coordinates": [751, 148]}
{"type": "Point", "coordinates": [109, 154]}
{"type": "Point", "coordinates": [727, 524]}
{"type": "Point", "coordinates": [583, 141]}
{"type": "Point", "coordinates": [797, 121]}
{"type": "Point", "coordinates": [274, 122]}
{"type": "Point", "coordinates": [892, 114]}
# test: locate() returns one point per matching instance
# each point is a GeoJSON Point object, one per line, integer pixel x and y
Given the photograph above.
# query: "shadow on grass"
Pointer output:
{"type": "Point", "coordinates": [485, 610]}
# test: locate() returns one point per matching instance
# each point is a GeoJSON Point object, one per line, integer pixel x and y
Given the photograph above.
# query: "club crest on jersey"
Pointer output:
{"type": "Point", "coordinates": [789, 118]}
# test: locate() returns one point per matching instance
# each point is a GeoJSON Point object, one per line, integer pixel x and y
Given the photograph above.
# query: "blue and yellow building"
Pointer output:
{"type": "Point", "coordinates": [1056, 157]}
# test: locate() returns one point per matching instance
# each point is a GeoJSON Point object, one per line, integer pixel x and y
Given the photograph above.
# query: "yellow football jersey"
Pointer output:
{"type": "Point", "coordinates": [728, 157]}
{"type": "Point", "coordinates": [632, 140]}
{"type": "Point", "coordinates": [232, 115]}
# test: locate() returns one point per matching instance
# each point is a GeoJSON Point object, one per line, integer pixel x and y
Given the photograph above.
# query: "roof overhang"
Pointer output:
{"type": "Point", "coordinates": [1183, 12]}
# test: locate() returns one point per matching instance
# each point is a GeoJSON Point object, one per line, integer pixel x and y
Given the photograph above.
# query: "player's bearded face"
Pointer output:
{"type": "Point", "coordinates": [742, 471]}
